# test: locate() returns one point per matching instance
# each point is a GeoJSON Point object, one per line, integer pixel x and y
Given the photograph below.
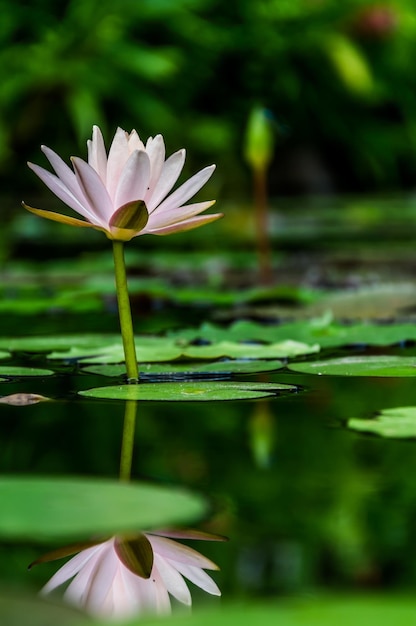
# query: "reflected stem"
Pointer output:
{"type": "Point", "coordinates": [127, 443]}
{"type": "Point", "coordinates": [124, 311]}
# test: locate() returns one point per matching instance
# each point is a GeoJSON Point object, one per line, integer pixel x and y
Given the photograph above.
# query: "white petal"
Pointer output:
{"type": "Point", "coordinates": [78, 590]}
{"type": "Point", "coordinates": [103, 578]}
{"type": "Point", "coordinates": [134, 141]}
{"type": "Point", "coordinates": [71, 567]}
{"type": "Point", "coordinates": [97, 156]}
{"type": "Point", "coordinates": [117, 157]}
{"type": "Point", "coordinates": [197, 576]}
{"type": "Point", "coordinates": [179, 552]}
{"type": "Point", "coordinates": [187, 190]}
{"type": "Point", "coordinates": [134, 179]}
{"type": "Point", "coordinates": [178, 227]}
{"type": "Point", "coordinates": [62, 192]}
{"type": "Point", "coordinates": [155, 148]}
{"type": "Point", "coordinates": [64, 172]}
{"type": "Point", "coordinates": [166, 218]}
{"type": "Point", "coordinates": [173, 581]}
{"type": "Point", "coordinates": [168, 177]}
{"type": "Point", "coordinates": [94, 190]}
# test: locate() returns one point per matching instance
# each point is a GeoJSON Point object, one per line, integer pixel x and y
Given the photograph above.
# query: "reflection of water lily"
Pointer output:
{"type": "Point", "coordinates": [122, 577]}
{"type": "Point", "coordinates": [125, 194]}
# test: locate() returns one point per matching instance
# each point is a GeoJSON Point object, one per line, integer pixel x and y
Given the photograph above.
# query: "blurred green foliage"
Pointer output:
{"type": "Point", "coordinates": [338, 77]}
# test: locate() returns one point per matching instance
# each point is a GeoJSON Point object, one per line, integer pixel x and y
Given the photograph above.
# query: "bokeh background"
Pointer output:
{"type": "Point", "coordinates": [337, 77]}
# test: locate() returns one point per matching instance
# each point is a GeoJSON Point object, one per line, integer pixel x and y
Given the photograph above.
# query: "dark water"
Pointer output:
{"type": "Point", "coordinates": [305, 502]}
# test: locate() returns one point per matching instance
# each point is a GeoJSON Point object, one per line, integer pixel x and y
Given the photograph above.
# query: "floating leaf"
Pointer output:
{"type": "Point", "coordinates": [24, 371]}
{"type": "Point", "coordinates": [359, 366]}
{"type": "Point", "coordinates": [188, 370]}
{"type": "Point", "coordinates": [85, 508]}
{"type": "Point", "coordinates": [249, 351]}
{"type": "Point", "coordinates": [4, 354]}
{"type": "Point", "coordinates": [394, 423]}
{"type": "Point", "coordinates": [22, 399]}
{"type": "Point", "coordinates": [189, 391]}
{"type": "Point", "coordinates": [158, 350]}
{"type": "Point", "coordinates": [373, 610]}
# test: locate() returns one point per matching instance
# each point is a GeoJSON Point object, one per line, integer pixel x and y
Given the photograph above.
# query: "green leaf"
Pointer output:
{"type": "Point", "coordinates": [375, 610]}
{"type": "Point", "coordinates": [188, 370]}
{"type": "Point", "coordinates": [395, 423]}
{"type": "Point", "coordinates": [189, 391]}
{"type": "Point", "coordinates": [359, 366]}
{"type": "Point", "coordinates": [88, 508]}
{"type": "Point", "coordinates": [24, 371]}
{"type": "Point", "coordinates": [249, 351]}
{"type": "Point", "coordinates": [18, 609]}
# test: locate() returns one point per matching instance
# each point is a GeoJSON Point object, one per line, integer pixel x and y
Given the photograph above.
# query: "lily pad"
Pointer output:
{"type": "Point", "coordinates": [394, 423]}
{"type": "Point", "coordinates": [189, 391]}
{"type": "Point", "coordinates": [155, 351]}
{"type": "Point", "coordinates": [321, 330]}
{"type": "Point", "coordinates": [84, 508]}
{"type": "Point", "coordinates": [359, 366]}
{"type": "Point", "coordinates": [190, 369]}
{"type": "Point", "coordinates": [17, 609]}
{"type": "Point", "coordinates": [240, 350]}
{"type": "Point", "coordinates": [24, 371]}
{"type": "Point", "coordinates": [4, 354]}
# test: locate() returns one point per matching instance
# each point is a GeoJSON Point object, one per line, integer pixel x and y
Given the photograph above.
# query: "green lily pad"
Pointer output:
{"type": "Point", "coordinates": [84, 508]}
{"type": "Point", "coordinates": [359, 366]}
{"type": "Point", "coordinates": [322, 330]}
{"type": "Point", "coordinates": [24, 371]}
{"type": "Point", "coordinates": [395, 423]}
{"type": "Point", "coordinates": [158, 350]}
{"type": "Point", "coordinates": [375, 610]}
{"type": "Point", "coordinates": [57, 342]}
{"type": "Point", "coordinates": [190, 369]}
{"type": "Point", "coordinates": [239, 350]}
{"type": "Point", "coordinates": [189, 391]}
{"type": "Point", "coordinates": [17, 609]}
{"type": "Point", "coordinates": [4, 354]}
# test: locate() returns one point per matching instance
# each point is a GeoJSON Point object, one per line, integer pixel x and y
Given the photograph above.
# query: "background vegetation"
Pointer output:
{"type": "Point", "coordinates": [337, 77]}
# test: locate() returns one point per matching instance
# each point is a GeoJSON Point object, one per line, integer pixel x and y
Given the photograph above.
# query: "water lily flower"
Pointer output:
{"type": "Point", "coordinates": [122, 577]}
{"type": "Point", "coordinates": [127, 192]}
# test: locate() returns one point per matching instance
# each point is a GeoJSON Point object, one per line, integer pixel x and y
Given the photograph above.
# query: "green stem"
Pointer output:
{"type": "Point", "coordinates": [124, 312]}
{"type": "Point", "coordinates": [263, 241]}
{"type": "Point", "coordinates": [127, 443]}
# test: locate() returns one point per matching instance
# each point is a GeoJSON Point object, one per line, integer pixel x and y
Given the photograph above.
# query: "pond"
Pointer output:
{"type": "Point", "coordinates": [279, 408]}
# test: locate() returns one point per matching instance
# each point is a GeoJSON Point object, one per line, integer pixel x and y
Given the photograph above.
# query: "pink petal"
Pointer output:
{"type": "Point", "coordinates": [65, 173]}
{"type": "Point", "coordinates": [134, 179]}
{"type": "Point", "coordinates": [187, 190]}
{"type": "Point", "coordinates": [68, 571]}
{"type": "Point", "coordinates": [179, 552]}
{"type": "Point", "coordinates": [193, 222]}
{"type": "Point", "coordinates": [173, 581]}
{"type": "Point", "coordinates": [102, 579]}
{"type": "Point", "coordinates": [97, 156]}
{"type": "Point", "coordinates": [165, 218]}
{"type": "Point", "coordinates": [78, 590]}
{"type": "Point", "coordinates": [94, 190]}
{"type": "Point", "coordinates": [118, 154]}
{"type": "Point", "coordinates": [168, 177]}
{"type": "Point", "coordinates": [134, 141]}
{"type": "Point", "coordinates": [199, 578]}
{"type": "Point", "coordinates": [62, 192]}
{"type": "Point", "coordinates": [155, 148]}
